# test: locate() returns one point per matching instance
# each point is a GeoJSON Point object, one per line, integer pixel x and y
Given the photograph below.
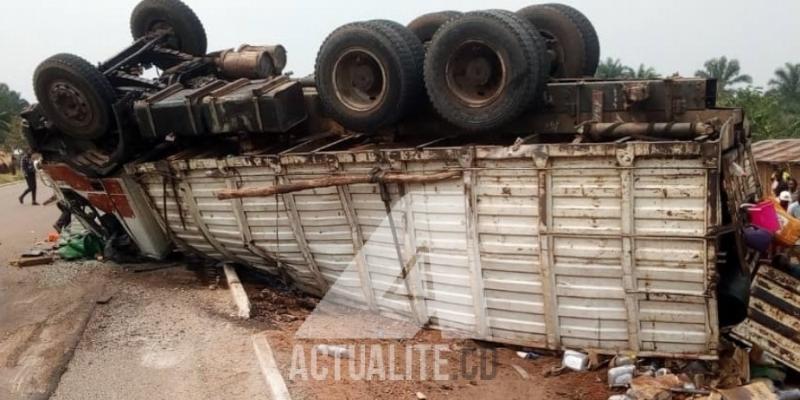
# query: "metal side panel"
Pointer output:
{"type": "Point", "coordinates": [377, 262]}
{"type": "Point", "coordinates": [440, 231]}
{"type": "Point", "coordinates": [165, 195]}
{"type": "Point", "coordinates": [774, 319]}
{"type": "Point", "coordinates": [219, 220]}
{"type": "Point", "coordinates": [326, 232]}
{"type": "Point", "coordinates": [508, 231]}
{"type": "Point", "coordinates": [585, 216]}
{"type": "Point", "coordinates": [600, 247]}
{"type": "Point", "coordinates": [271, 228]}
{"type": "Point", "coordinates": [670, 259]}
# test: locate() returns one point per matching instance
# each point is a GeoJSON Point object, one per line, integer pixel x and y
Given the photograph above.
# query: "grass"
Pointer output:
{"type": "Point", "coordinates": [8, 178]}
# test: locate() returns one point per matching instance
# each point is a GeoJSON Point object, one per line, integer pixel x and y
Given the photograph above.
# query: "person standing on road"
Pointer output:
{"type": "Point", "coordinates": [29, 171]}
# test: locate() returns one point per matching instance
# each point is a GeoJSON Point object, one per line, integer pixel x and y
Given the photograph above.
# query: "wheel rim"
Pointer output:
{"type": "Point", "coordinates": [73, 107]}
{"type": "Point", "coordinates": [359, 80]}
{"type": "Point", "coordinates": [172, 41]}
{"type": "Point", "coordinates": [555, 51]}
{"type": "Point", "coordinates": [476, 74]}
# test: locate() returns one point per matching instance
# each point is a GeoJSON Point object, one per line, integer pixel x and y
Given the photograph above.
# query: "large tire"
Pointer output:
{"type": "Point", "coordinates": [565, 42]}
{"type": "Point", "coordinates": [75, 96]}
{"type": "Point", "coordinates": [566, 19]}
{"type": "Point", "coordinates": [484, 69]}
{"type": "Point", "coordinates": [414, 44]}
{"type": "Point", "coordinates": [189, 36]}
{"type": "Point", "coordinates": [425, 26]}
{"type": "Point", "coordinates": [369, 74]}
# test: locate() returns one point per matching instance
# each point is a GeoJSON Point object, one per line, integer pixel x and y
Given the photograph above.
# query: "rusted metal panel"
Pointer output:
{"type": "Point", "coordinates": [598, 246]}
{"type": "Point", "coordinates": [774, 318]}
{"type": "Point", "coordinates": [777, 151]}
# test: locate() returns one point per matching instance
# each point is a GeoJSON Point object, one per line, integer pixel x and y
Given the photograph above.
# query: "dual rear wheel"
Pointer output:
{"type": "Point", "coordinates": [481, 70]}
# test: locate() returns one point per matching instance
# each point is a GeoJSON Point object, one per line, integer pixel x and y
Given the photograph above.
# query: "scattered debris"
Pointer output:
{"type": "Point", "coordinates": [793, 394]}
{"type": "Point", "coordinates": [621, 376]}
{"type": "Point", "coordinates": [32, 254]}
{"type": "Point", "coordinates": [421, 396]}
{"type": "Point", "coordinates": [333, 351]}
{"type": "Point", "coordinates": [527, 355]}
{"type": "Point", "coordinates": [654, 388]}
{"type": "Point", "coordinates": [622, 360]}
{"type": "Point", "coordinates": [521, 372]}
{"type": "Point", "coordinates": [32, 261]}
{"type": "Point", "coordinates": [555, 371]}
{"type": "Point", "coordinates": [757, 390]}
{"type": "Point", "coordinates": [576, 361]}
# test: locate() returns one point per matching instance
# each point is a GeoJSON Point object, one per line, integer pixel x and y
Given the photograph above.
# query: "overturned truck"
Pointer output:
{"type": "Point", "coordinates": [529, 205]}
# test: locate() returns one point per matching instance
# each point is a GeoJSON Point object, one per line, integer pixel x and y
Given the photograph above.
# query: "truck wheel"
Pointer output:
{"type": "Point", "coordinates": [425, 26]}
{"type": "Point", "coordinates": [571, 39]}
{"type": "Point", "coordinates": [188, 35]}
{"type": "Point", "coordinates": [369, 74]}
{"type": "Point", "coordinates": [484, 69]}
{"type": "Point", "coordinates": [75, 96]}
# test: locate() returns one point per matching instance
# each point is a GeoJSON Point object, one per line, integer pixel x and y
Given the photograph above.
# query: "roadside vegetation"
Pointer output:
{"type": "Point", "coordinates": [774, 111]}
{"type": "Point", "coordinates": [8, 178]}
{"type": "Point", "coordinates": [11, 104]}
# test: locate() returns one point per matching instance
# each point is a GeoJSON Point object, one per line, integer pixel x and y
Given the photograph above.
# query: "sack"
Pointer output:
{"type": "Point", "coordinates": [757, 239]}
{"type": "Point", "coordinates": [81, 246]}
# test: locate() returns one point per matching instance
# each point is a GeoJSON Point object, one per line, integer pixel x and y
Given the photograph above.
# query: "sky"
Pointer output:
{"type": "Point", "coordinates": [672, 36]}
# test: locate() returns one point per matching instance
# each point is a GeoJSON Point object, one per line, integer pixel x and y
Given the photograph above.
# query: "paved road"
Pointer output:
{"type": "Point", "coordinates": [21, 226]}
{"type": "Point", "coordinates": [43, 310]}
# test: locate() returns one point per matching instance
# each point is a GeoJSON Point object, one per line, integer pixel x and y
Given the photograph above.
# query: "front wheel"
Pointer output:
{"type": "Point", "coordinates": [75, 96]}
{"type": "Point", "coordinates": [187, 32]}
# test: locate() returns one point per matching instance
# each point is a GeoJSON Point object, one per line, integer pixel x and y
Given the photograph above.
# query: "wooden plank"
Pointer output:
{"type": "Point", "coordinates": [269, 368]}
{"type": "Point", "coordinates": [32, 261]}
{"type": "Point", "coordinates": [237, 291]}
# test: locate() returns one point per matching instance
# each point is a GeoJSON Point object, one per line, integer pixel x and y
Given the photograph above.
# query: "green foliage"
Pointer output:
{"type": "Point", "coordinates": [612, 68]}
{"type": "Point", "coordinates": [771, 117]}
{"type": "Point", "coordinates": [787, 82]}
{"type": "Point", "coordinates": [643, 72]}
{"type": "Point", "coordinates": [11, 104]}
{"type": "Point", "coordinates": [727, 72]}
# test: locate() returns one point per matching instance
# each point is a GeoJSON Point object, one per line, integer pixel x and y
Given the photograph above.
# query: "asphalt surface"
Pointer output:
{"type": "Point", "coordinates": [22, 226]}
{"type": "Point", "coordinates": [43, 310]}
{"type": "Point", "coordinates": [91, 330]}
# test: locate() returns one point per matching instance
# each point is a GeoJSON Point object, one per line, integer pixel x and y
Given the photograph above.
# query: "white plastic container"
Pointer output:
{"type": "Point", "coordinates": [621, 376]}
{"type": "Point", "coordinates": [576, 361]}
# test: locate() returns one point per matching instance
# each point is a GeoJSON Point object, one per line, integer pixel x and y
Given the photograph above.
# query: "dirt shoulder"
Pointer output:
{"type": "Point", "coordinates": [164, 335]}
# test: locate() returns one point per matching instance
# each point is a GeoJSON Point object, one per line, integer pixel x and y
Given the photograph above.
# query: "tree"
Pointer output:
{"type": "Point", "coordinates": [787, 82]}
{"type": "Point", "coordinates": [727, 73]}
{"type": "Point", "coordinates": [11, 104]}
{"type": "Point", "coordinates": [769, 116]}
{"type": "Point", "coordinates": [611, 69]}
{"type": "Point", "coordinates": [642, 72]}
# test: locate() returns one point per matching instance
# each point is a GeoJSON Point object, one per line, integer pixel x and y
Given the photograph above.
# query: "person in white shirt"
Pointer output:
{"type": "Point", "coordinates": [794, 207]}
